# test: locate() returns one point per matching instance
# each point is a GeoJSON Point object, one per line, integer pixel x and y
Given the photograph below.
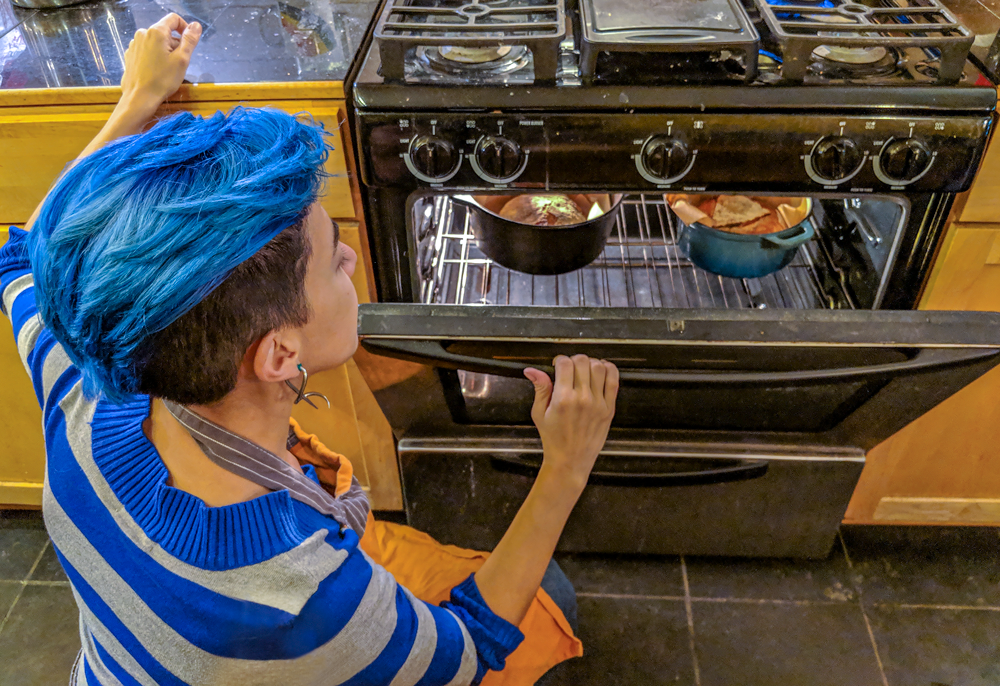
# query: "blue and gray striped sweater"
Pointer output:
{"type": "Point", "coordinates": [174, 592]}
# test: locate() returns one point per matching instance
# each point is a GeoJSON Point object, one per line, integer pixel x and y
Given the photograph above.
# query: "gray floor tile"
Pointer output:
{"type": "Point", "coordinates": [41, 638]}
{"type": "Point", "coordinates": [22, 535]}
{"type": "Point", "coordinates": [48, 568]}
{"type": "Point", "coordinates": [629, 642]}
{"type": "Point", "coordinates": [926, 565]}
{"type": "Point", "coordinates": [8, 591]}
{"type": "Point", "coordinates": [754, 644]}
{"type": "Point", "coordinates": [921, 647]}
{"type": "Point", "coordinates": [828, 579]}
{"type": "Point", "coordinates": [646, 575]}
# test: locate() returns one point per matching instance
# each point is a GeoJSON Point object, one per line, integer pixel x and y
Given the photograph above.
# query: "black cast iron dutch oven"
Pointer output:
{"type": "Point", "coordinates": [540, 249]}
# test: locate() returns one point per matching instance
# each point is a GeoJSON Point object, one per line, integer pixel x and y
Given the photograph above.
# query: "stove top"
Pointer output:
{"type": "Point", "coordinates": [629, 54]}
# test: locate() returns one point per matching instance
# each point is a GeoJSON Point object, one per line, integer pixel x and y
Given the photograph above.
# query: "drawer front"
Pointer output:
{"type": "Point", "coordinates": [467, 496]}
{"type": "Point", "coordinates": [37, 144]}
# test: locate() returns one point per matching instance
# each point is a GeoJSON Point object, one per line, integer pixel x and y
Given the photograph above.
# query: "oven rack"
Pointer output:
{"type": "Point", "coordinates": [641, 266]}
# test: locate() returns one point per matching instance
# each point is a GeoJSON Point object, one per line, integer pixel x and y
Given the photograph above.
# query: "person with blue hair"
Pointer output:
{"type": "Point", "coordinates": [169, 298]}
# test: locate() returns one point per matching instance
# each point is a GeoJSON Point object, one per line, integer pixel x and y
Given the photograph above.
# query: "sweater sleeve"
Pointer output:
{"type": "Point", "coordinates": [44, 359]}
{"type": "Point", "coordinates": [451, 645]}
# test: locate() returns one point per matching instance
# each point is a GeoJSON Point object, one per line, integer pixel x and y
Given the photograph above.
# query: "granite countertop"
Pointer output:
{"type": "Point", "coordinates": [243, 41]}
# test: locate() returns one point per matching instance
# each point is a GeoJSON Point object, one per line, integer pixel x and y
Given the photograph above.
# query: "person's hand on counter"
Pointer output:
{"type": "Point", "coordinates": [155, 64]}
{"type": "Point", "coordinates": [156, 61]}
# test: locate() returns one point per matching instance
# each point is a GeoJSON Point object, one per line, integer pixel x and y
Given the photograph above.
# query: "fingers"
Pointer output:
{"type": "Point", "coordinates": [611, 385]}
{"type": "Point", "coordinates": [543, 392]}
{"type": "Point", "coordinates": [598, 373]}
{"type": "Point", "coordinates": [581, 365]}
{"type": "Point", "coordinates": [564, 374]}
{"type": "Point", "coordinates": [189, 39]}
{"type": "Point", "coordinates": [172, 22]}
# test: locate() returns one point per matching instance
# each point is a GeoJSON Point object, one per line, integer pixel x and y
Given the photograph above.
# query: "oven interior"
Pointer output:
{"type": "Point", "coordinates": [844, 267]}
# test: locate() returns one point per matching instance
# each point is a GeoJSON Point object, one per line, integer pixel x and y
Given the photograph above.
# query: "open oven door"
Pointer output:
{"type": "Point", "coordinates": [769, 412]}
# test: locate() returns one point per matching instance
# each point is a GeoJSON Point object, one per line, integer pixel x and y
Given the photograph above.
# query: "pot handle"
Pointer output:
{"type": "Point", "coordinates": [804, 235]}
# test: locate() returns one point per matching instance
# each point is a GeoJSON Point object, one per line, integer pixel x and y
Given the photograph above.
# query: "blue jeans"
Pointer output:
{"type": "Point", "coordinates": [561, 590]}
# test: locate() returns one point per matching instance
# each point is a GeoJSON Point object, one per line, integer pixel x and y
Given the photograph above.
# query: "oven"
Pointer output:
{"type": "Point", "coordinates": [747, 404]}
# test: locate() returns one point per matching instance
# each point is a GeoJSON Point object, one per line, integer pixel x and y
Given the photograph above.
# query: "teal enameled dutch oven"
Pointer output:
{"type": "Point", "coordinates": [744, 257]}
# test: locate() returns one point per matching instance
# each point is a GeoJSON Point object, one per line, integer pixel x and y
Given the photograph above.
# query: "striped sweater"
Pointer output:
{"type": "Point", "coordinates": [173, 592]}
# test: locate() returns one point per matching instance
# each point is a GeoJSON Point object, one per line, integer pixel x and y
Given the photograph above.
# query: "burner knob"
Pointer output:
{"type": "Point", "coordinates": [434, 157]}
{"type": "Point", "coordinates": [664, 157]}
{"type": "Point", "coordinates": [904, 159]}
{"type": "Point", "coordinates": [835, 158]}
{"type": "Point", "coordinates": [499, 158]}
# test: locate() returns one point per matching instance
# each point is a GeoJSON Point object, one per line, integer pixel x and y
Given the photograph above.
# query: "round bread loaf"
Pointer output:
{"type": "Point", "coordinates": [543, 210]}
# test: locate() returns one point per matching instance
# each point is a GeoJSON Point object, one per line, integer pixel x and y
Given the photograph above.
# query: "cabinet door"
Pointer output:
{"type": "Point", "coordinates": [22, 451]}
{"type": "Point", "coordinates": [39, 142]}
{"type": "Point", "coordinates": [945, 466]}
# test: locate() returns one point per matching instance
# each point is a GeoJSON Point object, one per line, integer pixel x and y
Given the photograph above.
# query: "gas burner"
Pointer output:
{"type": "Point", "coordinates": [834, 63]}
{"type": "Point", "coordinates": [463, 34]}
{"type": "Point", "coordinates": [475, 63]}
{"type": "Point", "coordinates": [867, 39]}
{"type": "Point", "coordinates": [852, 56]}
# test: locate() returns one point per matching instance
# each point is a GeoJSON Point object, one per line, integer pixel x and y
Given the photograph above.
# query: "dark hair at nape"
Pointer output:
{"type": "Point", "coordinates": [195, 359]}
{"type": "Point", "coordinates": [142, 231]}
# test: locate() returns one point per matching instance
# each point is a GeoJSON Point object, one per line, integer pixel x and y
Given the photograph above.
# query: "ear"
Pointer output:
{"type": "Point", "coordinates": [275, 357]}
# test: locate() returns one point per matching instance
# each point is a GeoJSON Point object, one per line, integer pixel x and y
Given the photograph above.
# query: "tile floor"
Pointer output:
{"type": "Point", "coordinates": [889, 607]}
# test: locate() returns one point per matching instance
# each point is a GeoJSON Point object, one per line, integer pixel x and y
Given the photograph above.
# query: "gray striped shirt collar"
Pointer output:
{"type": "Point", "coordinates": [247, 459]}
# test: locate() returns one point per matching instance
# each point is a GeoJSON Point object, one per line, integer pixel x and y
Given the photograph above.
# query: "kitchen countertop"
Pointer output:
{"type": "Point", "coordinates": [248, 41]}
{"type": "Point", "coordinates": [244, 41]}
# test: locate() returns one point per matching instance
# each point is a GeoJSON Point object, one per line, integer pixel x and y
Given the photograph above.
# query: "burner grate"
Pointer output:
{"type": "Point", "coordinates": [408, 25]}
{"type": "Point", "coordinates": [641, 266]}
{"type": "Point", "coordinates": [824, 37]}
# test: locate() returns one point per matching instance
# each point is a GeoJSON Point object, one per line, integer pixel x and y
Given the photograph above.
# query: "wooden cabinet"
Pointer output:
{"type": "Point", "coordinates": [41, 131]}
{"type": "Point", "coordinates": [945, 467]}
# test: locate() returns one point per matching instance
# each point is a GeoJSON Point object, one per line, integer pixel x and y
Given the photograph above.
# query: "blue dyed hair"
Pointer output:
{"type": "Point", "coordinates": [139, 232]}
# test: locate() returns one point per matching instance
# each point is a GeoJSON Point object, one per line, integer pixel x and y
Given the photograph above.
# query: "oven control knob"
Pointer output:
{"type": "Point", "coordinates": [665, 158]}
{"type": "Point", "coordinates": [904, 159]}
{"type": "Point", "coordinates": [434, 158]}
{"type": "Point", "coordinates": [836, 158]}
{"type": "Point", "coordinates": [499, 159]}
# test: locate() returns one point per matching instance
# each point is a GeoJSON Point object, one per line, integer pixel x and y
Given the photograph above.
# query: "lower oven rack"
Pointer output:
{"type": "Point", "coordinates": [641, 266]}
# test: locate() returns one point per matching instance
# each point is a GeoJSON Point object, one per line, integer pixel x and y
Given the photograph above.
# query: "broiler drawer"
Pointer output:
{"type": "Point", "coordinates": [720, 503]}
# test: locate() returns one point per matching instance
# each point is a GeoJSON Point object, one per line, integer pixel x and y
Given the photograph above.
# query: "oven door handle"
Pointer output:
{"type": "Point", "coordinates": [424, 352]}
{"type": "Point", "coordinates": [742, 470]}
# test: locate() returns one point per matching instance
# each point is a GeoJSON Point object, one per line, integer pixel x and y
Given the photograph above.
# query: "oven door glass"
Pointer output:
{"type": "Point", "coordinates": [840, 378]}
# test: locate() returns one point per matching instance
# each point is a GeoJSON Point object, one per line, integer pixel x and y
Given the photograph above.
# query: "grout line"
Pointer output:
{"type": "Point", "coordinates": [630, 596]}
{"type": "Point", "coordinates": [871, 635]}
{"type": "Point", "coordinates": [24, 582]}
{"type": "Point", "coordinates": [864, 615]}
{"type": "Point", "coordinates": [690, 618]}
{"type": "Point", "coordinates": [770, 601]}
{"type": "Point", "coordinates": [843, 546]}
{"type": "Point", "coordinates": [917, 606]}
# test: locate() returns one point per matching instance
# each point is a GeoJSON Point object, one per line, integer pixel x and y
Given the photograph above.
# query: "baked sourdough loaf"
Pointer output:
{"type": "Point", "coordinates": [543, 210]}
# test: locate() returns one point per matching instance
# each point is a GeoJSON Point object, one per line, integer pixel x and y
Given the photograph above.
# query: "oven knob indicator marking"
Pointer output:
{"type": "Point", "coordinates": [664, 160]}
{"type": "Point", "coordinates": [834, 160]}
{"type": "Point", "coordinates": [432, 159]}
{"type": "Point", "coordinates": [903, 161]}
{"type": "Point", "coordinates": [498, 159]}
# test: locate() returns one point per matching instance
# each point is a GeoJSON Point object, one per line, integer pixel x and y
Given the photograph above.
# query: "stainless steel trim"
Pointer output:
{"type": "Point", "coordinates": [406, 447]}
{"type": "Point", "coordinates": [642, 341]}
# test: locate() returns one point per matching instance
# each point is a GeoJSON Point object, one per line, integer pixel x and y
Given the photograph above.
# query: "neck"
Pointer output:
{"type": "Point", "coordinates": [256, 411]}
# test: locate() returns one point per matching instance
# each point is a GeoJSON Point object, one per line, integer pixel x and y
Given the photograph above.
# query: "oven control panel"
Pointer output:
{"type": "Point", "coordinates": [681, 152]}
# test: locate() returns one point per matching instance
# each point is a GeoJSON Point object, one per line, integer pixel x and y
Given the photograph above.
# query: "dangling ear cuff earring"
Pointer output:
{"type": "Point", "coordinates": [301, 390]}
